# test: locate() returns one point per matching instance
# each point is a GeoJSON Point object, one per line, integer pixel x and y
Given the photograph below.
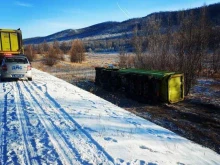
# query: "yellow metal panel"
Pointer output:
{"type": "Point", "coordinates": [0, 43]}
{"type": "Point", "coordinates": [175, 89]}
{"type": "Point", "coordinates": [8, 30]}
{"type": "Point", "coordinates": [14, 42]}
{"type": "Point", "coordinates": [5, 41]}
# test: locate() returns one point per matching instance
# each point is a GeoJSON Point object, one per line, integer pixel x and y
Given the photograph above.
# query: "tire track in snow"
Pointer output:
{"type": "Point", "coordinates": [12, 149]}
{"type": "Point", "coordinates": [65, 151]}
{"type": "Point", "coordinates": [3, 132]}
{"type": "Point", "coordinates": [7, 153]}
{"type": "Point", "coordinates": [34, 133]}
{"type": "Point", "coordinates": [12, 144]}
{"type": "Point", "coordinates": [30, 153]}
{"type": "Point", "coordinates": [81, 139]}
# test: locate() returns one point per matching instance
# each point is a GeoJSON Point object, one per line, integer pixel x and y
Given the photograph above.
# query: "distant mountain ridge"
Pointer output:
{"type": "Point", "coordinates": [117, 29]}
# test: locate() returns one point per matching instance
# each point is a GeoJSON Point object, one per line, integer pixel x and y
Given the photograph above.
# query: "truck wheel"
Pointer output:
{"type": "Point", "coordinates": [30, 79]}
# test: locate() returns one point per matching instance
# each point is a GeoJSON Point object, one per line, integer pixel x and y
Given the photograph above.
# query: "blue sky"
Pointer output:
{"type": "Point", "coordinates": [44, 17]}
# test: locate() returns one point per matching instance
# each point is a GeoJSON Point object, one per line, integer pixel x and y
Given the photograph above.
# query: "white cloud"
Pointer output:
{"type": "Point", "coordinates": [18, 3]}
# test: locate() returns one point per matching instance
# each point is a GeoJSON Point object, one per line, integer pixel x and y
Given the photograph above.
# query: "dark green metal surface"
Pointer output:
{"type": "Point", "coordinates": [153, 73]}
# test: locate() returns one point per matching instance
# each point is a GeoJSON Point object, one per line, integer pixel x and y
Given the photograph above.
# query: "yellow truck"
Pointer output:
{"type": "Point", "coordinates": [10, 42]}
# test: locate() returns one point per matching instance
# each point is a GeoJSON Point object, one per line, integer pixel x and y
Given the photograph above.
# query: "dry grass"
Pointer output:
{"type": "Point", "coordinates": [72, 72]}
{"type": "Point", "coordinates": [103, 60]}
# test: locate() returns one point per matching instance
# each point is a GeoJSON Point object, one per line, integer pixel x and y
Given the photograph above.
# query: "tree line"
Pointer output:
{"type": "Point", "coordinates": [191, 48]}
{"type": "Point", "coordinates": [56, 51]}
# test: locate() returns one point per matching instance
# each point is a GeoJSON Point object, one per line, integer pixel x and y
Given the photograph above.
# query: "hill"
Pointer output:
{"type": "Point", "coordinates": [117, 29]}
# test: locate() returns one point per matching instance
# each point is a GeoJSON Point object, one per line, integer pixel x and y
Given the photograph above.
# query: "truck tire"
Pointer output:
{"type": "Point", "coordinates": [30, 79]}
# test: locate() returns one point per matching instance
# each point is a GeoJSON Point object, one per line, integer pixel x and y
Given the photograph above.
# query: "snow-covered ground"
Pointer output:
{"type": "Point", "coordinates": [49, 121]}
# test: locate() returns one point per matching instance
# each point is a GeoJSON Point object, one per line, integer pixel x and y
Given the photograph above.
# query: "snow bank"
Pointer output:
{"type": "Point", "coordinates": [81, 128]}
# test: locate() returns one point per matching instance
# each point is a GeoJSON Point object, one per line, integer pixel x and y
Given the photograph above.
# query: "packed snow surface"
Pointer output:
{"type": "Point", "coordinates": [49, 121]}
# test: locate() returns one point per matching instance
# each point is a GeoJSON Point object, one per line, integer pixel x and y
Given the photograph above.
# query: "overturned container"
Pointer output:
{"type": "Point", "coordinates": [154, 85]}
{"type": "Point", "coordinates": [143, 85]}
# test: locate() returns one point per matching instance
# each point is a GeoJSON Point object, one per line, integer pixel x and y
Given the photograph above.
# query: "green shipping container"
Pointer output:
{"type": "Point", "coordinates": [167, 86]}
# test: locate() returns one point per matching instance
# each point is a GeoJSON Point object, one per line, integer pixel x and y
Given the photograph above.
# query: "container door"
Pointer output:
{"type": "Point", "coordinates": [5, 41]}
{"type": "Point", "coordinates": [175, 88]}
{"type": "Point", "coordinates": [14, 42]}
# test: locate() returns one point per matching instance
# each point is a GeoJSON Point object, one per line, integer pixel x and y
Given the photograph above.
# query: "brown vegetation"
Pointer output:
{"type": "Point", "coordinates": [126, 60]}
{"type": "Point", "coordinates": [181, 50]}
{"type": "Point", "coordinates": [57, 50]}
{"type": "Point", "coordinates": [50, 57]}
{"type": "Point", "coordinates": [65, 47]}
{"type": "Point", "coordinates": [77, 52]}
{"type": "Point", "coordinates": [30, 52]}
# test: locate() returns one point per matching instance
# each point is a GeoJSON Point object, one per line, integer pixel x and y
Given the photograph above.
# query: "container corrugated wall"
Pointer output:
{"type": "Point", "coordinates": [143, 85]}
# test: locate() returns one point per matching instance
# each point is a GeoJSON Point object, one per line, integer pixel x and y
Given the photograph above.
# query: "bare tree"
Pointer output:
{"type": "Point", "coordinates": [45, 46]}
{"type": "Point", "coordinates": [216, 61]}
{"type": "Point", "coordinates": [57, 50]}
{"type": "Point", "coordinates": [64, 47]}
{"type": "Point", "coordinates": [77, 51]}
{"type": "Point", "coordinates": [183, 50]}
{"type": "Point", "coordinates": [126, 60]}
{"type": "Point", "coordinates": [155, 45]}
{"type": "Point", "coordinates": [50, 58]}
{"type": "Point", "coordinates": [40, 49]}
{"type": "Point", "coordinates": [215, 43]}
{"type": "Point", "coordinates": [137, 42]}
{"type": "Point", "coordinates": [30, 52]}
{"type": "Point", "coordinates": [191, 43]}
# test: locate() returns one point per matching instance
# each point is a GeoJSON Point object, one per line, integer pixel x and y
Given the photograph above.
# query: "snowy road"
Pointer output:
{"type": "Point", "coordinates": [48, 121]}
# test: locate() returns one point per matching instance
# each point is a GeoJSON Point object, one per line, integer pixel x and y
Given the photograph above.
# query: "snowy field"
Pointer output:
{"type": "Point", "coordinates": [49, 121]}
